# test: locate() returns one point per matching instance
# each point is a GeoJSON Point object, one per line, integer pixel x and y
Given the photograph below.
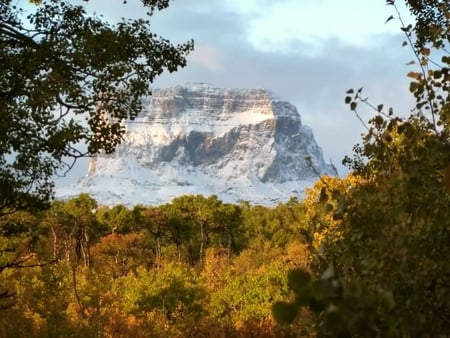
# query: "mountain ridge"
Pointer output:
{"type": "Point", "coordinates": [238, 144]}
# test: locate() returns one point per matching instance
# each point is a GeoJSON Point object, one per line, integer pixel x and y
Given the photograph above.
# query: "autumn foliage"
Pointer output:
{"type": "Point", "coordinates": [195, 267]}
{"type": "Point", "coordinates": [379, 237]}
{"type": "Point", "coordinates": [366, 255]}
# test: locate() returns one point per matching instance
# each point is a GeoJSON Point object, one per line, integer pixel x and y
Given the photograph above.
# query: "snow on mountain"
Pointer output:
{"type": "Point", "coordinates": [239, 144]}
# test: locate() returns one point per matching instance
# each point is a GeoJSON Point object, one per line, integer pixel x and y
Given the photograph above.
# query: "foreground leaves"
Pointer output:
{"type": "Point", "coordinates": [67, 81]}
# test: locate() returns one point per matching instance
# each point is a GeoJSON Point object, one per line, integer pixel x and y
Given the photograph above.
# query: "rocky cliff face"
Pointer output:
{"type": "Point", "coordinates": [240, 144]}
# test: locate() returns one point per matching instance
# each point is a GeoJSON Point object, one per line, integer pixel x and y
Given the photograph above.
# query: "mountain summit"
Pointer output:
{"type": "Point", "coordinates": [239, 144]}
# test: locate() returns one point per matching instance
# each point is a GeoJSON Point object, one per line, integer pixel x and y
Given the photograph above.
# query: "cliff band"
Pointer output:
{"type": "Point", "coordinates": [239, 144]}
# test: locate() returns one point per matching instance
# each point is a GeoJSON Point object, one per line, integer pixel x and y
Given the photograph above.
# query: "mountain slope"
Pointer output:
{"type": "Point", "coordinates": [240, 144]}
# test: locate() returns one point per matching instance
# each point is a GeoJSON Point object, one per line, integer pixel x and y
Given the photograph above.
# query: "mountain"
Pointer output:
{"type": "Point", "coordinates": [239, 144]}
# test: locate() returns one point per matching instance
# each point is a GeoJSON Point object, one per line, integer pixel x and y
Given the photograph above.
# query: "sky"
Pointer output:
{"type": "Point", "coordinates": [306, 52]}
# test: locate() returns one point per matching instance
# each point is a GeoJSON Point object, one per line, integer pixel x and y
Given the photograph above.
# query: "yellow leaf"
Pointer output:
{"type": "Point", "coordinates": [425, 51]}
{"type": "Point", "coordinates": [414, 75]}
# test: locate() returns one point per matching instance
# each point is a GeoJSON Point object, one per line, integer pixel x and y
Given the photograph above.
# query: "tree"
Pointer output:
{"type": "Point", "coordinates": [118, 254]}
{"type": "Point", "coordinates": [119, 218]}
{"type": "Point", "coordinates": [67, 79]}
{"type": "Point", "coordinates": [18, 239]}
{"type": "Point", "coordinates": [384, 237]}
{"type": "Point", "coordinates": [84, 226]}
{"type": "Point", "coordinates": [199, 210]}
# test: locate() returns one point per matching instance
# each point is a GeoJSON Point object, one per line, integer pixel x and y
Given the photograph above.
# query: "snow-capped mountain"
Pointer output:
{"type": "Point", "coordinates": [239, 144]}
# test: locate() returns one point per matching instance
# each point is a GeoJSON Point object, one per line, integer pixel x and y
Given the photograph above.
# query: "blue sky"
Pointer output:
{"type": "Point", "coordinates": [307, 52]}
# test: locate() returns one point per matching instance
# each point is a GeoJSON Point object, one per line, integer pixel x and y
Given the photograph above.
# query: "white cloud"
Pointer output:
{"type": "Point", "coordinates": [307, 52]}
{"type": "Point", "coordinates": [207, 57]}
{"type": "Point", "coordinates": [353, 21]}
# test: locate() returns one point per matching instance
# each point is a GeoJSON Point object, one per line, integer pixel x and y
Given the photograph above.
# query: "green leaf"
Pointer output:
{"type": "Point", "coordinates": [353, 105]}
{"type": "Point", "coordinates": [298, 279]}
{"type": "Point", "coordinates": [284, 313]}
{"type": "Point", "coordinates": [388, 299]}
{"type": "Point", "coordinates": [316, 305]}
{"type": "Point", "coordinates": [389, 19]}
{"type": "Point", "coordinates": [406, 29]}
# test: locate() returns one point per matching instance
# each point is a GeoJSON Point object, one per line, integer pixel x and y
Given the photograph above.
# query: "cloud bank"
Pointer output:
{"type": "Point", "coordinates": [313, 74]}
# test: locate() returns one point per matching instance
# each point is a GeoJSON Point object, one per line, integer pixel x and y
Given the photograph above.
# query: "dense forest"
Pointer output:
{"type": "Point", "coordinates": [192, 267]}
{"type": "Point", "coordinates": [366, 255]}
{"type": "Point", "coordinates": [199, 267]}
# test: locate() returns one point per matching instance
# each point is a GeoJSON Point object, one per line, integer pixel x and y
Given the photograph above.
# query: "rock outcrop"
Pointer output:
{"type": "Point", "coordinates": [240, 144]}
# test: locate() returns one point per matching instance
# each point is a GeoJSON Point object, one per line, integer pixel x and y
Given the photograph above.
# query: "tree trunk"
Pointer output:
{"type": "Point", "coordinates": [202, 242]}
{"type": "Point", "coordinates": [86, 248]}
{"type": "Point", "coordinates": [230, 240]}
{"type": "Point", "coordinates": [158, 252]}
{"type": "Point", "coordinates": [55, 243]}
